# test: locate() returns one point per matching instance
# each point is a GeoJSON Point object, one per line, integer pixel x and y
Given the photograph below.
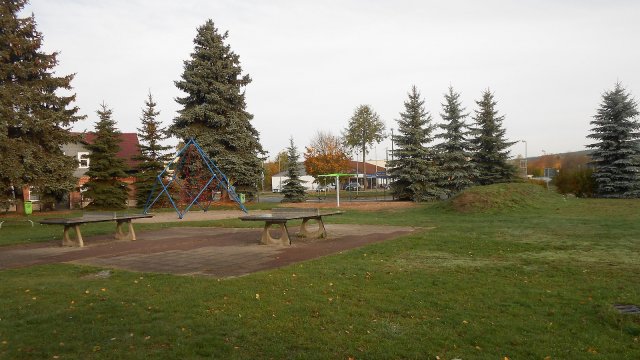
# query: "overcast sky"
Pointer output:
{"type": "Point", "coordinates": [313, 62]}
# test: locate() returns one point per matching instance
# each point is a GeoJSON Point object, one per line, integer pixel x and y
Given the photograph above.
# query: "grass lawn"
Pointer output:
{"type": "Point", "coordinates": [530, 278]}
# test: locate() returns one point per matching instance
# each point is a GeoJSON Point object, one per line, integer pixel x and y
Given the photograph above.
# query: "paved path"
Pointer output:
{"type": "Point", "coordinates": [219, 252]}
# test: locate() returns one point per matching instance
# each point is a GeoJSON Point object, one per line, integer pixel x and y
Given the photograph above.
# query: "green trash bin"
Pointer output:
{"type": "Point", "coordinates": [28, 207]}
{"type": "Point", "coordinates": [241, 198]}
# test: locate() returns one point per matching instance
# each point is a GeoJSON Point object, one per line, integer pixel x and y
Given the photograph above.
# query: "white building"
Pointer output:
{"type": "Point", "coordinates": [278, 180]}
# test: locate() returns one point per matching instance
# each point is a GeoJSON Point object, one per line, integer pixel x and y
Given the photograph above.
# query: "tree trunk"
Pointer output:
{"type": "Point", "coordinates": [364, 167]}
{"type": "Point", "coordinates": [20, 205]}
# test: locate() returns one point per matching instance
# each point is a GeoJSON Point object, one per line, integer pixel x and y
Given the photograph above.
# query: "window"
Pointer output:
{"type": "Point", "coordinates": [83, 160]}
{"type": "Point", "coordinates": [33, 196]}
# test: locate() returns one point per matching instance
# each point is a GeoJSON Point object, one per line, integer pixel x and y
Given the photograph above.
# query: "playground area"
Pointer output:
{"type": "Point", "coordinates": [217, 252]}
{"type": "Point", "coordinates": [504, 278]}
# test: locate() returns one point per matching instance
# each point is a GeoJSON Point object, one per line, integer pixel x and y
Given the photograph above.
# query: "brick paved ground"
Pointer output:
{"type": "Point", "coordinates": [219, 252]}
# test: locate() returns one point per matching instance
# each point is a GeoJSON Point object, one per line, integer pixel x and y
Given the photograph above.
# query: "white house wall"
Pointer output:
{"type": "Point", "coordinates": [306, 180]}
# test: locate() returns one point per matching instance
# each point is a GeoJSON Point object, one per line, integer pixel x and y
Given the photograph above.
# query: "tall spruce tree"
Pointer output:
{"type": "Point", "coordinates": [106, 169]}
{"type": "Point", "coordinates": [213, 110]}
{"type": "Point", "coordinates": [34, 117]}
{"type": "Point", "coordinates": [490, 148]}
{"type": "Point", "coordinates": [364, 129]}
{"type": "Point", "coordinates": [455, 150]}
{"type": "Point", "coordinates": [616, 154]}
{"type": "Point", "coordinates": [292, 189]}
{"type": "Point", "coordinates": [153, 155]}
{"type": "Point", "coordinates": [414, 172]}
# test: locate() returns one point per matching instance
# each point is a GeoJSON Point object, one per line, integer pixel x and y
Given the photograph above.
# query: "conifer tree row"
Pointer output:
{"type": "Point", "coordinates": [466, 156]}
{"type": "Point", "coordinates": [34, 117]}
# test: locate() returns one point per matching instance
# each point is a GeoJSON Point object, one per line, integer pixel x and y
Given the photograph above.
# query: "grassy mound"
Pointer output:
{"type": "Point", "coordinates": [504, 197]}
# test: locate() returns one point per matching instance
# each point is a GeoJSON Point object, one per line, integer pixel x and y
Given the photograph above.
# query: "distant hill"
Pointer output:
{"type": "Point", "coordinates": [572, 153]}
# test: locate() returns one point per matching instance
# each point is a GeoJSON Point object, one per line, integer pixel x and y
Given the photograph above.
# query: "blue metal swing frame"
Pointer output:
{"type": "Point", "coordinates": [223, 182]}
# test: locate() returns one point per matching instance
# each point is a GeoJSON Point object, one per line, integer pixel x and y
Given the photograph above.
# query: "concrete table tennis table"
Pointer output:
{"type": "Point", "coordinates": [76, 222]}
{"type": "Point", "coordinates": [280, 216]}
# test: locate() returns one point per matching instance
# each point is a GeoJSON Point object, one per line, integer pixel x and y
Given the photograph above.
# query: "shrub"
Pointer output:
{"type": "Point", "coordinates": [578, 182]}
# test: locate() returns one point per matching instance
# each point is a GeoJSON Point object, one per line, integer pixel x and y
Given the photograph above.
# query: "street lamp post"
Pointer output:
{"type": "Point", "coordinates": [526, 164]}
{"type": "Point", "coordinates": [279, 175]}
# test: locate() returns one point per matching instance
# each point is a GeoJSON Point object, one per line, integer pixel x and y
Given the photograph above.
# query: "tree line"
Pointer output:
{"type": "Point", "coordinates": [37, 113]}
{"type": "Point", "coordinates": [36, 120]}
{"type": "Point", "coordinates": [420, 169]}
{"type": "Point", "coordinates": [468, 154]}
{"type": "Point", "coordinates": [477, 153]}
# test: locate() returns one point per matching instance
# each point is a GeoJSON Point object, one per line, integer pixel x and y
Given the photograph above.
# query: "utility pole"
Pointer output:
{"type": "Point", "coordinates": [392, 152]}
{"type": "Point", "coordinates": [364, 154]}
{"type": "Point", "coordinates": [376, 160]}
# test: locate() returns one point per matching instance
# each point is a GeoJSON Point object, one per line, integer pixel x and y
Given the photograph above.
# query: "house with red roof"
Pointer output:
{"type": "Point", "coordinates": [129, 150]}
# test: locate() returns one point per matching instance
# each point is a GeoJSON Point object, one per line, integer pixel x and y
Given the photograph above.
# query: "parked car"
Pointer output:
{"type": "Point", "coordinates": [353, 186]}
{"type": "Point", "coordinates": [321, 188]}
{"type": "Point", "coordinates": [275, 189]}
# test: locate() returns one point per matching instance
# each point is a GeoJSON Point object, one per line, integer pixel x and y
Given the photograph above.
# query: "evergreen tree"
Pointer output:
{"type": "Point", "coordinates": [454, 152]}
{"type": "Point", "coordinates": [34, 117]}
{"type": "Point", "coordinates": [616, 154]}
{"type": "Point", "coordinates": [104, 188]}
{"type": "Point", "coordinates": [213, 111]}
{"type": "Point", "coordinates": [153, 154]}
{"type": "Point", "coordinates": [413, 170]}
{"type": "Point", "coordinates": [364, 128]}
{"type": "Point", "coordinates": [490, 148]}
{"type": "Point", "coordinates": [292, 189]}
